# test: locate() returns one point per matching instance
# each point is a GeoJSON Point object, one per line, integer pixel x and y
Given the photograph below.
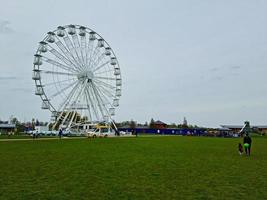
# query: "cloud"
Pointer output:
{"type": "Point", "coordinates": [5, 27]}
{"type": "Point", "coordinates": [235, 67]}
{"type": "Point", "coordinates": [4, 78]}
{"type": "Point", "coordinates": [214, 69]}
{"type": "Point", "coordinates": [23, 90]}
{"type": "Point", "coordinates": [218, 78]}
{"type": "Point", "coordinates": [235, 74]}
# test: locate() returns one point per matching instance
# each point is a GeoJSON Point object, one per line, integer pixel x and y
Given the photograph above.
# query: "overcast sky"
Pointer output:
{"type": "Point", "coordinates": [205, 60]}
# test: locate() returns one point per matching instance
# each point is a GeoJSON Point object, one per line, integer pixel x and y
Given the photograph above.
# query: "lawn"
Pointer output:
{"type": "Point", "coordinates": [5, 136]}
{"type": "Point", "coordinates": [133, 168]}
{"type": "Point", "coordinates": [24, 136]}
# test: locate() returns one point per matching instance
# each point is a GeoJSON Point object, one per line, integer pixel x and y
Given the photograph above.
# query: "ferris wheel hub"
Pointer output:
{"type": "Point", "coordinates": [86, 76]}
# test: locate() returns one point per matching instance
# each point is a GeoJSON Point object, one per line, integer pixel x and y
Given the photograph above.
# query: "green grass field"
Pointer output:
{"type": "Point", "coordinates": [23, 136]}
{"type": "Point", "coordinates": [133, 168]}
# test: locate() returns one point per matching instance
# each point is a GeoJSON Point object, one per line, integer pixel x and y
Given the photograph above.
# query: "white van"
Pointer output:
{"type": "Point", "coordinates": [101, 131]}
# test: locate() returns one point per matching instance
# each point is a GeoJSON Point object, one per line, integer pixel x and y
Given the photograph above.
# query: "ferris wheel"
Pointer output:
{"type": "Point", "coordinates": [77, 76]}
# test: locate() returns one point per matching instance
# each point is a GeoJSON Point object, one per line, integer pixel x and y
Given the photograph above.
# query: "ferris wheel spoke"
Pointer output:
{"type": "Point", "coordinates": [86, 48]}
{"type": "Point", "coordinates": [103, 101]}
{"type": "Point", "coordinates": [78, 46]}
{"type": "Point", "coordinates": [90, 49]}
{"type": "Point", "coordinates": [105, 84]}
{"type": "Point", "coordinates": [60, 56]}
{"type": "Point", "coordinates": [92, 103]}
{"type": "Point", "coordinates": [106, 91]}
{"type": "Point", "coordinates": [56, 82]}
{"type": "Point", "coordinates": [63, 89]}
{"type": "Point", "coordinates": [58, 64]}
{"type": "Point", "coordinates": [91, 98]}
{"type": "Point", "coordinates": [105, 95]}
{"type": "Point", "coordinates": [67, 53]}
{"type": "Point", "coordinates": [73, 51]}
{"type": "Point", "coordinates": [109, 92]}
{"type": "Point", "coordinates": [83, 49]}
{"type": "Point", "coordinates": [76, 96]}
{"type": "Point", "coordinates": [96, 103]}
{"type": "Point", "coordinates": [88, 105]}
{"type": "Point", "coordinates": [105, 78]}
{"type": "Point", "coordinates": [67, 99]}
{"type": "Point", "coordinates": [100, 66]}
{"type": "Point", "coordinates": [99, 100]}
{"type": "Point", "coordinates": [96, 50]}
{"type": "Point", "coordinates": [74, 110]}
{"type": "Point", "coordinates": [105, 87]}
{"type": "Point", "coordinates": [102, 72]}
{"type": "Point", "coordinates": [99, 59]}
{"type": "Point", "coordinates": [58, 73]}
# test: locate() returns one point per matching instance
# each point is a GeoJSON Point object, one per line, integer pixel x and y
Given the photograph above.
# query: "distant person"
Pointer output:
{"type": "Point", "coordinates": [240, 149]}
{"type": "Point", "coordinates": [247, 144]}
{"type": "Point", "coordinates": [33, 135]}
{"type": "Point", "coordinates": [117, 133]}
{"type": "Point", "coordinates": [60, 133]}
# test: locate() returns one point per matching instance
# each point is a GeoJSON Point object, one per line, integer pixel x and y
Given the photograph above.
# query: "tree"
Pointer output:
{"type": "Point", "coordinates": [180, 126]}
{"type": "Point", "coordinates": [172, 125]}
{"type": "Point", "coordinates": [152, 123]}
{"type": "Point", "coordinates": [132, 124]}
{"type": "Point", "coordinates": [14, 120]}
{"type": "Point", "coordinates": [20, 127]}
{"type": "Point", "coordinates": [185, 125]}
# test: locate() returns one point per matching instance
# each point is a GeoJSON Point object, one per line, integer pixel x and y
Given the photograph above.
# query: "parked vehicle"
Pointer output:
{"type": "Point", "coordinates": [101, 131]}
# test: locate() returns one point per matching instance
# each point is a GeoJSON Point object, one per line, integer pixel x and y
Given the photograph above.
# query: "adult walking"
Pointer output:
{"type": "Point", "coordinates": [247, 144]}
{"type": "Point", "coordinates": [60, 133]}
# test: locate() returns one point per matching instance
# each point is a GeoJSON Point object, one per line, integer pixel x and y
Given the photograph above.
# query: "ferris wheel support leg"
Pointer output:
{"type": "Point", "coordinates": [115, 127]}
{"type": "Point", "coordinates": [65, 118]}
{"type": "Point", "coordinates": [71, 120]}
{"type": "Point", "coordinates": [57, 122]}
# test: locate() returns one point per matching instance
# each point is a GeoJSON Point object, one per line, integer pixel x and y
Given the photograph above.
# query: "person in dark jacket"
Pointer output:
{"type": "Point", "coordinates": [60, 133]}
{"type": "Point", "coordinates": [247, 144]}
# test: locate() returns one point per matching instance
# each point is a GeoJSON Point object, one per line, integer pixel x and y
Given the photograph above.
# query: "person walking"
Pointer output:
{"type": "Point", "coordinates": [247, 144]}
{"type": "Point", "coordinates": [33, 135]}
{"type": "Point", "coordinates": [240, 149]}
{"type": "Point", "coordinates": [60, 133]}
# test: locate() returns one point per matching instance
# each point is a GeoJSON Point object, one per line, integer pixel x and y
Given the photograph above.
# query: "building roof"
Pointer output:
{"type": "Point", "coordinates": [224, 129]}
{"type": "Point", "coordinates": [261, 126]}
{"type": "Point", "coordinates": [231, 126]}
{"type": "Point", "coordinates": [7, 125]}
{"type": "Point", "coordinates": [158, 122]}
{"type": "Point", "coordinates": [240, 126]}
{"type": "Point", "coordinates": [128, 127]}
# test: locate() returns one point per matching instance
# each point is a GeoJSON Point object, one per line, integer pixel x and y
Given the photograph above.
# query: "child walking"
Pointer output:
{"type": "Point", "coordinates": [240, 149]}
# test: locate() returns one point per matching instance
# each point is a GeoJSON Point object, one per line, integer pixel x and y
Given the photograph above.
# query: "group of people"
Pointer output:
{"type": "Point", "coordinates": [246, 144]}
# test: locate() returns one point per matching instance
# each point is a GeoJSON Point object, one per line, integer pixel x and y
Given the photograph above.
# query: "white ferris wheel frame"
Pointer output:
{"type": "Point", "coordinates": [78, 56]}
